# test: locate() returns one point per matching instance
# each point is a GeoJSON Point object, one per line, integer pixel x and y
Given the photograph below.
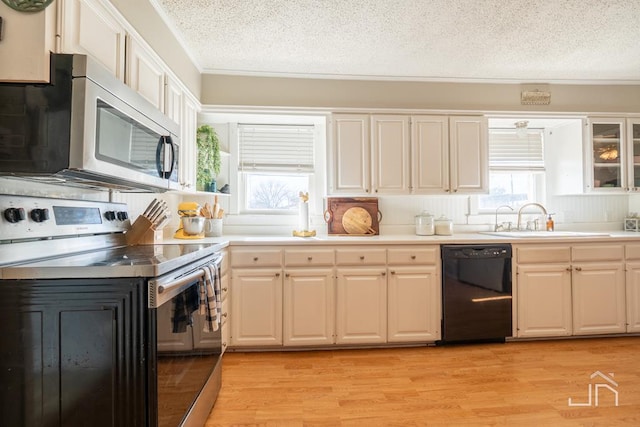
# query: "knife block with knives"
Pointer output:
{"type": "Point", "coordinates": [147, 228]}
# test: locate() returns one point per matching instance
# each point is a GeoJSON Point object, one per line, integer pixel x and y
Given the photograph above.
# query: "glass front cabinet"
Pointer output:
{"type": "Point", "coordinates": [633, 132]}
{"type": "Point", "coordinates": [613, 162]}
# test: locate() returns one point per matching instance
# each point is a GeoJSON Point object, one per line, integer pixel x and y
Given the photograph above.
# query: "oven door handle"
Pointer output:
{"type": "Point", "coordinates": [185, 280]}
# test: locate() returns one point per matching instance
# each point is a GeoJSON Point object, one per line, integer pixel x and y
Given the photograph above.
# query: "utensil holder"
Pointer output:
{"type": "Point", "coordinates": [213, 227]}
{"type": "Point", "coordinates": [141, 231]}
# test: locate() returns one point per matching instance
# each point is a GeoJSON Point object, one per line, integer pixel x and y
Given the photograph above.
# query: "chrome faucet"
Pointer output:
{"type": "Point", "coordinates": [496, 227]}
{"type": "Point", "coordinates": [542, 208]}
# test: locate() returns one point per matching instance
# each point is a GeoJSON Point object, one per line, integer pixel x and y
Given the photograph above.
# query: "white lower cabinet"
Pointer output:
{"type": "Point", "coordinates": [224, 312]}
{"type": "Point", "coordinates": [361, 305]}
{"type": "Point", "coordinates": [256, 307]}
{"type": "Point", "coordinates": [570, 290]}
{"type": "Point", "coordinates": [309, 313]}
{"type": "Point", "coordinates": [598, 298]}
{"type": "Point", "coordinates": [633, 296]}
{"type": "Point", "coordinates": [544, 300]}
{"type": "Point", "coordinates": [320, 296]}
{"type": "Point", "coordinates": [413, 304]}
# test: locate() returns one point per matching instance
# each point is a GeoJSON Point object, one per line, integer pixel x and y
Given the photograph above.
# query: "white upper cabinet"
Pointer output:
{"type": "Point", "coordinates": [604, 167]}
{"type": "Point", "coordinates": [449, 154]}
{"type": "Point", "coordinates": [188, 145]}
{"type": "Point", "coordinates": [145, 73]}
{"type": "Point", "coordinates": [633, 150]}
{"type": "Point", "coordinates": [390, 154]}
{"type": "Point", "coordinates": [468, 154]}
{"type": "Point", "coordinates": [612, 155]}
{"type": "Point", "coordinates": [88, 27]}
{"type": "Point", "coordinates": [430, 153]}
{"type": "Point", "coordinates": [27, 40]}
{"type": "Point", "coordinates": [370, 154]}
{"type": "Point", "coordinates": [350, 153]}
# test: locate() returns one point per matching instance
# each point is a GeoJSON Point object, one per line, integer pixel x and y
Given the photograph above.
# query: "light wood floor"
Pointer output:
{"type": "Point", "coordinates": [513, 384]}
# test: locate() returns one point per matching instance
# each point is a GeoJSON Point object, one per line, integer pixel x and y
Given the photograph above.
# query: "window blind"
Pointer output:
{"type": "Point", "coordinates": [509, 151]}
{"type": "Point", "coordinates": [284, 148]}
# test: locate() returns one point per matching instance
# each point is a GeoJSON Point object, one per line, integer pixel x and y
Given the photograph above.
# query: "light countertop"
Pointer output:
{"type": "Point", "coordinates": [410, 239]}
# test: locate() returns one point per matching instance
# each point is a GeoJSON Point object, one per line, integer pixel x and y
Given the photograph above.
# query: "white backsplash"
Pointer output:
{"type": "Point", "coordinates": [398, 212]}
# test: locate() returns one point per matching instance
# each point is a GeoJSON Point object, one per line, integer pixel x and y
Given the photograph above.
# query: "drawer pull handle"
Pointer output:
{"type": "Point", "coordinates": [384, 273]}
{"type": "Point", "coordinates": [578, 268]}
{"type": "Point", "coordinates": [225, 289]}
{"type": "Point", "coordinates": [392, 272]}
{"type": "Point", "coordinates": [361, 257]}
{"type": "Point", "coordinates": [277, 274]}
{"type": "Point", "coordinates": [287, 275]}
{"type": "Point", "coordinates": [310, 258]}
{"type": "Point", "coordinates": [255, 258]}
{"type": "Point", "coordinates": [413, 257]}
{"type": "Point", "coordinates": [568, 268]}
{"type": "Point", "coordinates": [224, 314]}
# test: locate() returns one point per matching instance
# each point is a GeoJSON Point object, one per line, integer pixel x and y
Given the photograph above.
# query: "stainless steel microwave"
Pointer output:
{"type": "Point", "coordinates": [86, 128]}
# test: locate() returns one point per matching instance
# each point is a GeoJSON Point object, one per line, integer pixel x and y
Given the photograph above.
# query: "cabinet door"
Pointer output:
{"type": "Point", "coordinates": [390, 154]}
{"type": "Point", "coordinates": [598, 298]}
{"type": "Point", "coordinates": [633, 151]}
{"type": "Point", "coordinates": [89, 28]}
{"type": "Point", "coordinates": [188, 144]}
{"type": "Point", "coordinates": [145, 73]}
{"type": "Point", "coordinates": [361, 305]}
{"type": "Point", "coordinates": [27, 40]}
{"type": "Point", "coordinates": [309, 311]}
{"type": "Point", "coordinates": [430, 154]}
{"type": "Point", "coordinates": [604, 166]}
{"type": "Point", "coordinates": [414, 304]}
{"type": "Point", "coordinates": [544, 300]}
{"type": "Point", "coordinates": [469, 156]}
{"type": "Point", "coordinates": [633, 296]}
{"type": "Point", "coordinates": [350, 157]}
{"type": "Point", "coordinates": [73, 354]}
{"type": "Point", "coordinates": [173, 100]}
{"type": "Point", "coordinates": [256, 307]}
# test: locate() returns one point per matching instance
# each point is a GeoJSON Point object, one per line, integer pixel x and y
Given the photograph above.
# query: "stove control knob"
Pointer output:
{"type": "Point", "coordinates": [110, 215]}
{"type": "Point", "coordinates": [14, 215]}
{"type": "Point", "coordinates": [123, 215]}
{"type": "Point", "coordinates": [39, 215]}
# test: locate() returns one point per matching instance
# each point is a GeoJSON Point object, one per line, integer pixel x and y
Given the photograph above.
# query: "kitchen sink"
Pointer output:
{"type": "Point", "coordinates": [544, 234]}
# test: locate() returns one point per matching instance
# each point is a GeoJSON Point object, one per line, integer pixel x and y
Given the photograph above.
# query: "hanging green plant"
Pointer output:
{"type": "Point", "coordinates": [208, 165]}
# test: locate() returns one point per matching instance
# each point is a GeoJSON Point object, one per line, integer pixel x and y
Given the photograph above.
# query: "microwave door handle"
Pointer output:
{"type": "Point", "coordinates": [160, 157]}
{"type": "Point", "coordinates": [173, 157]}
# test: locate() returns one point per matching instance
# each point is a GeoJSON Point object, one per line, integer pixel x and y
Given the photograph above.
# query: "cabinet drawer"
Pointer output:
{"type": "Point", "coordinates": [534, 254]}
{"type": "Point", "coordinates": [256, 257]}
{"type": "Point", "coordinates": [632, 252]}
{"type": "Point", "coordinates": [597, 253]}
{"type": "Point", "coordinates": [413, 256]}
{"type": "Point", "coordinates": [301, 257]}
{"type": "Point", "coordinates": [361, 256]}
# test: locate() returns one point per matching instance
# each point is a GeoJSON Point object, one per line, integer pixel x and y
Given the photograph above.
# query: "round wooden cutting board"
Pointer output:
{"type": "Point", "coordinates": [357, 220]}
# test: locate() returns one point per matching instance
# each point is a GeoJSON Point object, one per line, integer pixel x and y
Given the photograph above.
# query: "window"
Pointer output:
{"type": "Point", "coordinates": [516, 169]}
{"type": "Point", "coordinates": [275, 164]}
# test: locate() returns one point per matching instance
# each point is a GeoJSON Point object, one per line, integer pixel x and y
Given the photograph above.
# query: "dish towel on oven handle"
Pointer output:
{"type": "Point", "coordinates": [210, 305]}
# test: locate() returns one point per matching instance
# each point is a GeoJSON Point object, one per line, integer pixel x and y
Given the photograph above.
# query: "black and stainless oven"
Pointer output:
{"type": "Point", "coordinates": [187, 343]}
{"type": "Point", "coordinates": [95, 332]}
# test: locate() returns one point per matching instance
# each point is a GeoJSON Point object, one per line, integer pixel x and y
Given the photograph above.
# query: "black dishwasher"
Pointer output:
{"type": "Point", "coordinates": [476, 293]}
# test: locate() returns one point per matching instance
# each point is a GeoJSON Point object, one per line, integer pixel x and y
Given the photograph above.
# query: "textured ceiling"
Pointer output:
{"type": "Point", "coordinates": [449, 40]}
